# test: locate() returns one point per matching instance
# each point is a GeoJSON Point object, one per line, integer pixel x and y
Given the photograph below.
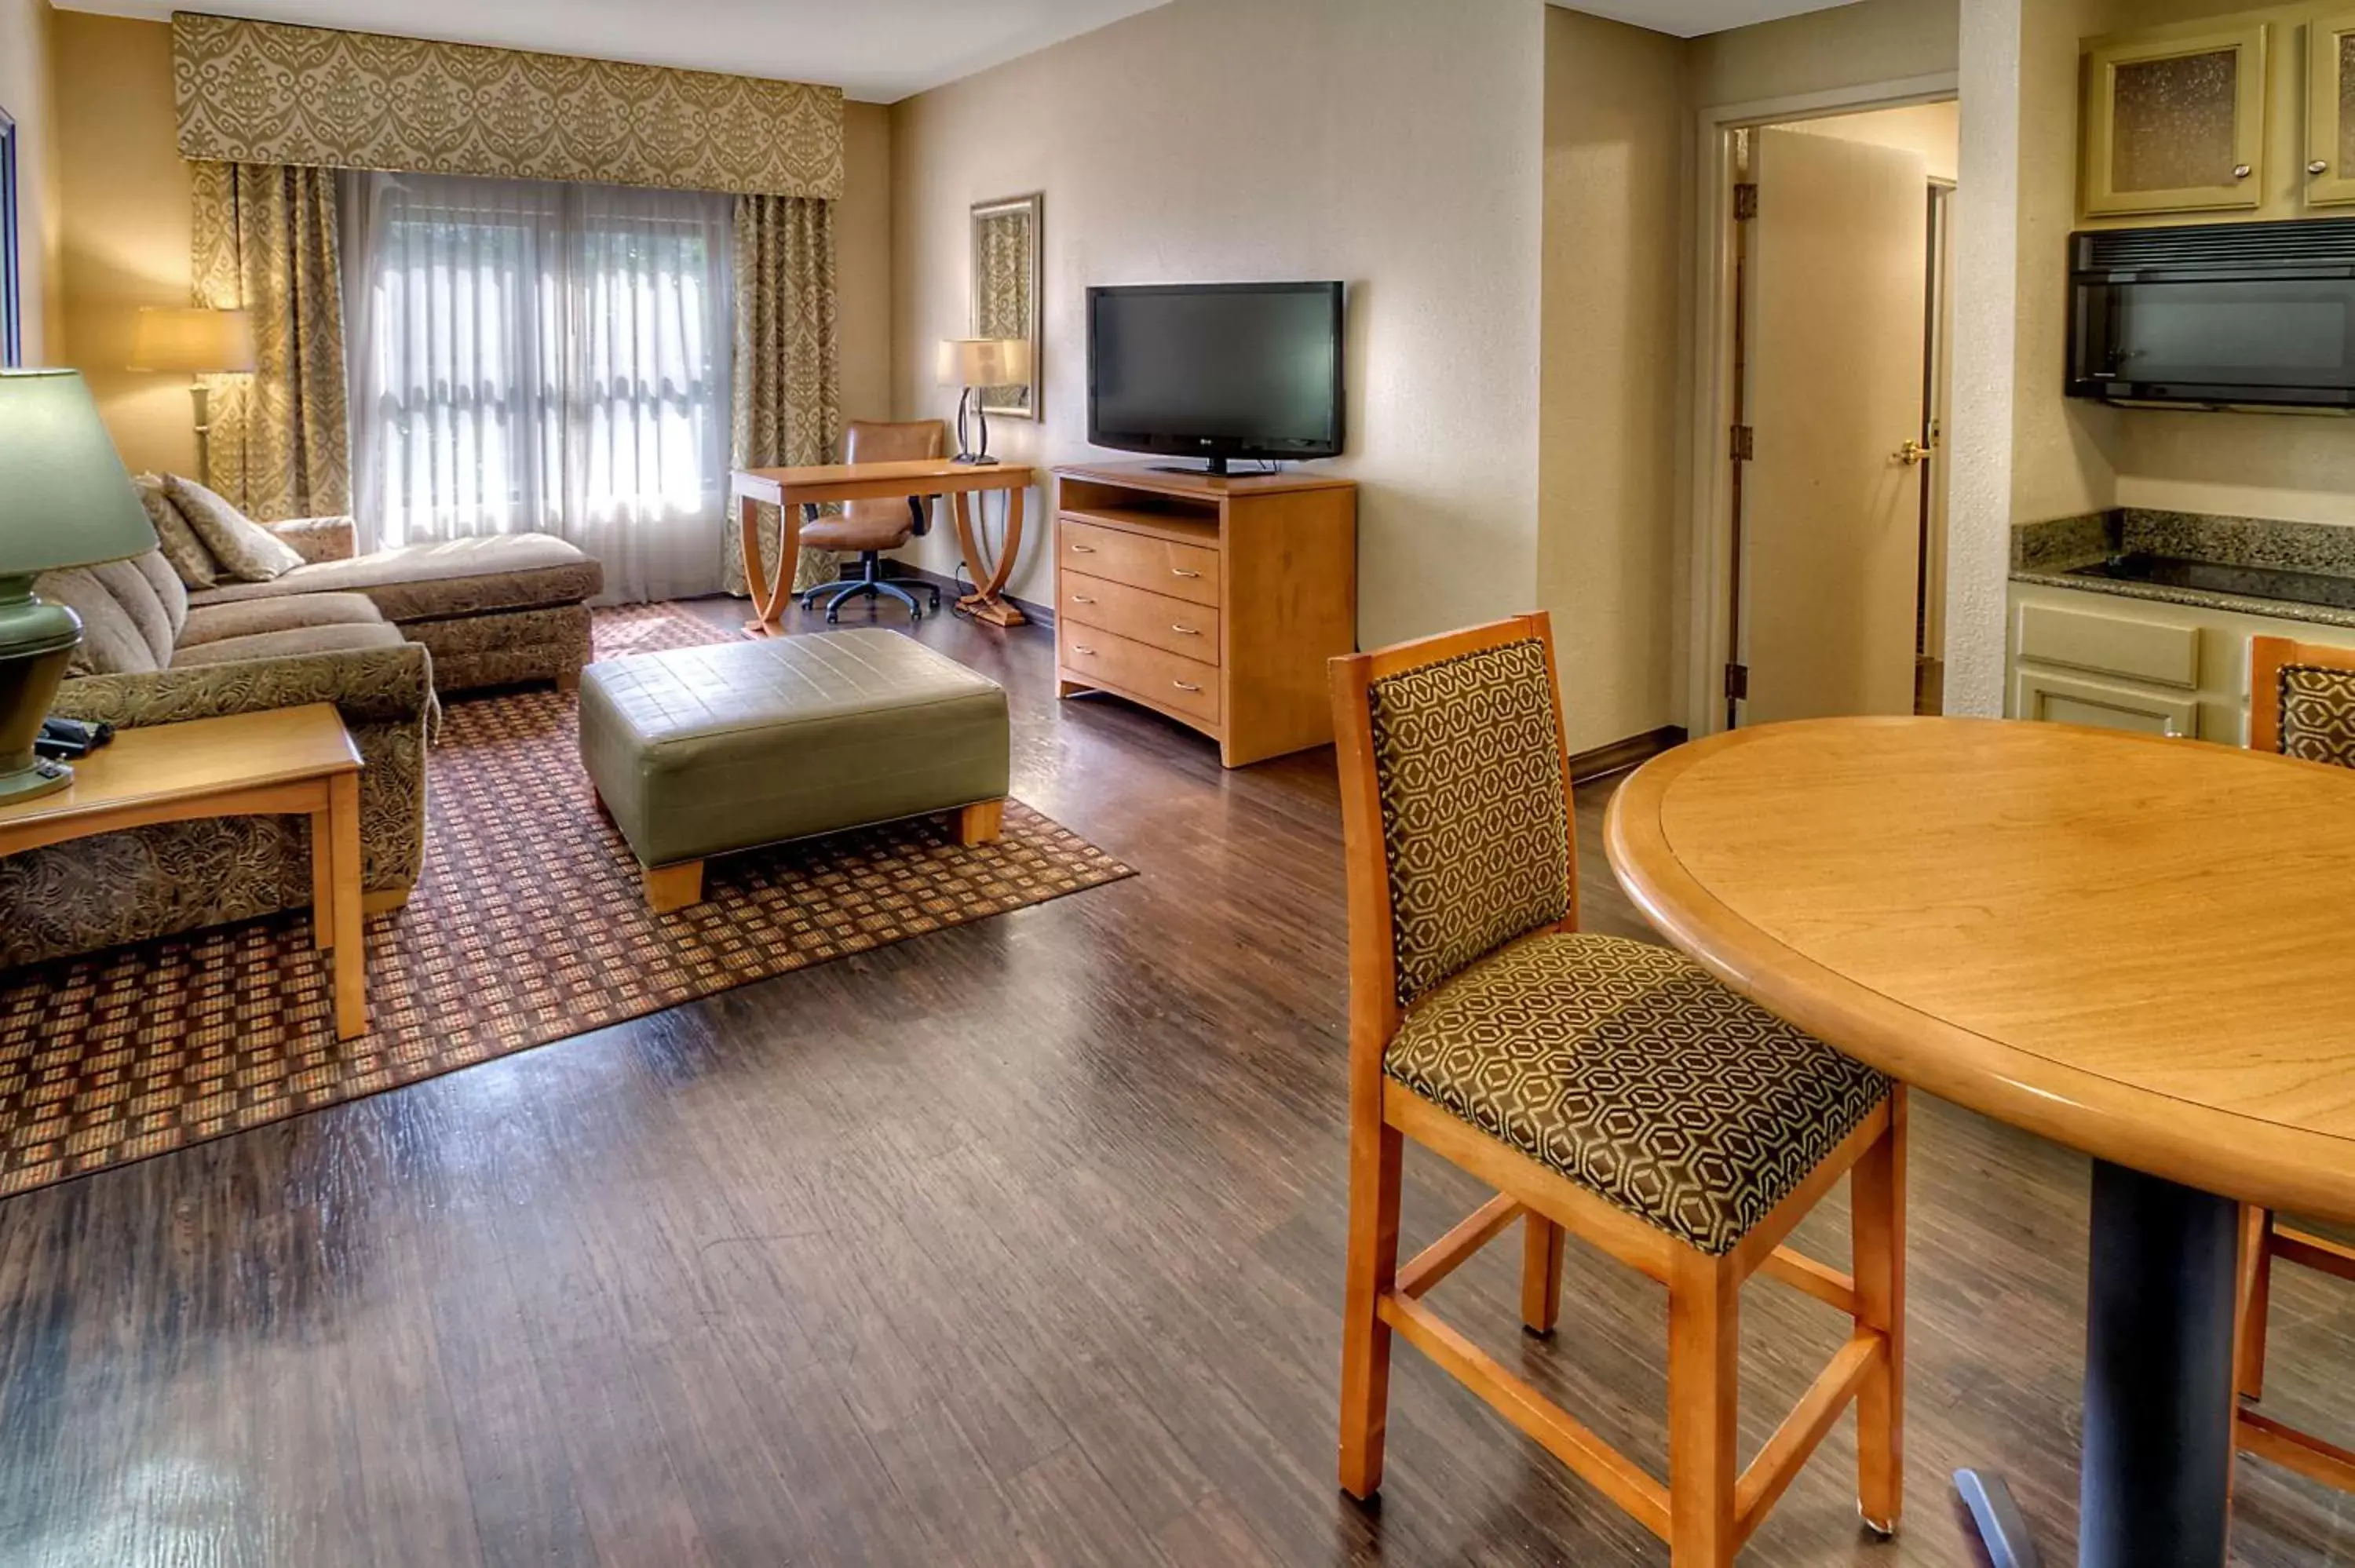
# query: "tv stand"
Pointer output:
{"type": "Point", "coordinates": [1212, 599]}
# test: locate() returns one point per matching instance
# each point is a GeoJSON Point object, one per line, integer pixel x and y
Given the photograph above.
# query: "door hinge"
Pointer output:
{"type": "Point", "coordinates": [1745, 201]}
{"type": "Point", "coordinates": [1745, 443]}
{"type": "Point", "coordinates": [1737, 682]}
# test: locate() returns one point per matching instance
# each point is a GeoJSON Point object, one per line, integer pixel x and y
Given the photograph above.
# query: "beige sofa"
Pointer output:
{"type": "Point", "coordinates": [495, 611]}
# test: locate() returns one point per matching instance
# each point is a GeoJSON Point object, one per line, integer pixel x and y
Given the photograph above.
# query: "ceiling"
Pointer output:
{"type": "Point", "coordinates": [879, 50]}
{"type": "Point", "coordinates": [1690, 18]}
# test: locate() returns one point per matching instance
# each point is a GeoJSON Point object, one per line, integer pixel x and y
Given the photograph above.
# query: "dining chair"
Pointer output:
{"type": "Point", "coordinates": [1608, 1089]}
{"type": "Point", "coordinates": [2302, 704]}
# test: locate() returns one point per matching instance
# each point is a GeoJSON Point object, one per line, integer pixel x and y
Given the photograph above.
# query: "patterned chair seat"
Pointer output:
{"type": "Point", "coordinates": [1631, 1071]}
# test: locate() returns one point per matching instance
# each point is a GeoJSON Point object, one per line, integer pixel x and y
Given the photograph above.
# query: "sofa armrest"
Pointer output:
{"type": "Point", "coordinates": [368, 685]}
{"type": "Point", "coordinates": [319, 539]}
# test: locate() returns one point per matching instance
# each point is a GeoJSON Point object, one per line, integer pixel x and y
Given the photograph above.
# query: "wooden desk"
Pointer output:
{"type": "Point", "coordinates": [286, 760]}
{"type": "Point", "coordinates": [914, 480]}
{"type": "Point", "coordinates": [2134, 946]}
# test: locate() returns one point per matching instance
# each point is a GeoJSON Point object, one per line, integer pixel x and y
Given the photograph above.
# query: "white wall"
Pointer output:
{"type": "Point", "coordinates": [1392, 143]}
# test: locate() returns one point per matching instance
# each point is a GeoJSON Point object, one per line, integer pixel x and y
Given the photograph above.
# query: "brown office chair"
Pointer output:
{"type": "Point", "coordinates": [1606, 1088]}
{"type": "Point", "coordinates": [2302, 704]}
{"type": "Point", "coordinates": [871, 527]}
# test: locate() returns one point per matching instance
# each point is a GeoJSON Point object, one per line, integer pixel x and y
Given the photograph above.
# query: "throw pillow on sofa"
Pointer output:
{"type": "Point", "coordinates": [244, 548]}
{"type": "Point", "coordinates": [181, 546]}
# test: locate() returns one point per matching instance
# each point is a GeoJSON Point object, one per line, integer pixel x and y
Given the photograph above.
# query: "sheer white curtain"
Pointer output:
{"type": "Point", "coordinates": [531, 357]}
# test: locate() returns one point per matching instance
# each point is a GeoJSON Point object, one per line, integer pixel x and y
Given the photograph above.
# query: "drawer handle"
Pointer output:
{"type": "Point", "coordinates": [1179, 572]}
{"type": "Point", "coordinates": [1184, 630]}
{"type": "Point", "coordinates": [1083, 648]}
{"type": "Point", "coordinates": [1186, 686]}
{"type": "Point", "coordinates": [1083, 549]}
{"type": "Point", "coordinates": [1081, 598]}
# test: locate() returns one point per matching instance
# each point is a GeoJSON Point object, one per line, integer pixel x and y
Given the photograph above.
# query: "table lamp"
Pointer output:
{"type": "Point", "coordinates": [197, 342]}
{"type": "Point", "coordinates": [970, 362]}
{"type": "Point", "coordinates": [64, 501]}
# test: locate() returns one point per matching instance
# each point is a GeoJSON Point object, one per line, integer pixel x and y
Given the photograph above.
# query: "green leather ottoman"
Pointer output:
{"type": "Point", "coordinates": [701, 751]}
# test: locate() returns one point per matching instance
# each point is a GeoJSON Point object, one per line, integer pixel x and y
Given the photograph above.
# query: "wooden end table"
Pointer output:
{"type": "Point", "coordinates": [913, 481]}
{"type": "Point", "coordinates": [285, 760]}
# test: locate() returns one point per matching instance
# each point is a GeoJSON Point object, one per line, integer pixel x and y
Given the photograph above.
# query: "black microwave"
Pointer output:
{"type": "Point", "coordinates": [2211, 316]}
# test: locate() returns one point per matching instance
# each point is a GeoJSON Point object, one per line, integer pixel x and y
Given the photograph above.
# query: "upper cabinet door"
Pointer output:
{"type": "Point", "coordinates": [2330, 109]}
{"type": "Point", "coordinates": [2176, 125]}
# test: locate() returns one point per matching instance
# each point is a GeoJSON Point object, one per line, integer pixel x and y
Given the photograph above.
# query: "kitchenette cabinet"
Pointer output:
{"type": "Point", "coordinates": [2079, 656]}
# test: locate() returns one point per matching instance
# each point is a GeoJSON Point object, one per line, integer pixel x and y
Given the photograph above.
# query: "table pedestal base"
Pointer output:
{"type": "Point", "coordinates": [2156, 1476]}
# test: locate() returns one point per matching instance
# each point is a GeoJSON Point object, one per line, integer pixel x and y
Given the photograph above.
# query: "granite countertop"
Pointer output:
{"type": "Point", "coordinates": [2046, 553]}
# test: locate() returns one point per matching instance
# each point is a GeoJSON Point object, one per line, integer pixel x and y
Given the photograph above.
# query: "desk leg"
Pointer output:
{"type": "Point", "coordinates": [984, 603]}
{"type": "Point", "coordinates": [322, 880]}
{"type": "Point", "coordinates": [350, 949]}
{"type": "Point", "coordinates": [770, 593]}
{"type": "Point", "coordinates": [2155, 1479]}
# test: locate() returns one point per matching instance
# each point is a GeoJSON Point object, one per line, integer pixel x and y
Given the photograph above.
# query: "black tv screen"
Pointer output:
{"type": "Point", "coordinates": [1216, 370]}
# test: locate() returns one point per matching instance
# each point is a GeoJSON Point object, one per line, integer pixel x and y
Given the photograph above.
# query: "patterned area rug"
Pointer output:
{"type": "Point", "coordinates": [528, 927]}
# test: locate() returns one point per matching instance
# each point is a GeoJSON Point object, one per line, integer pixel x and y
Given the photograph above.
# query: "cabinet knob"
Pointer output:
{"type": "Point", "coordinates": [2320, 167]}
{"type": "Point", "coordinates": [2242, 171]}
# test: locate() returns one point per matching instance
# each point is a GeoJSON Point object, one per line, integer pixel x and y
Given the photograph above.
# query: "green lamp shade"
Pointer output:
{"type": "Point", "coordinates": [65, 498]}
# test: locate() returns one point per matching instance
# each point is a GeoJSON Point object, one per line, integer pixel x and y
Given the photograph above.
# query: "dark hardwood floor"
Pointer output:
{"type": "Point", "coordinates": [1016, 1244]}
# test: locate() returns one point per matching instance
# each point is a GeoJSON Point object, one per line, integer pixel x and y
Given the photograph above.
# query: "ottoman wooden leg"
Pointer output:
{"type": "Point", "coordinates": [670, 888]}
{"type": "Point", "coordinates": [981, 823]}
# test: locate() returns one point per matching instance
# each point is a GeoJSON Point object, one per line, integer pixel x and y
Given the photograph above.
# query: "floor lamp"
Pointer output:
{"type": "Point", "coordinates": [197, 342]}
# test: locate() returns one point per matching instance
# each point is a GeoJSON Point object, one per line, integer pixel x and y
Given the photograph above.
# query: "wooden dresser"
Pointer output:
{"type": "Point", "coordinates": [1214, 600]}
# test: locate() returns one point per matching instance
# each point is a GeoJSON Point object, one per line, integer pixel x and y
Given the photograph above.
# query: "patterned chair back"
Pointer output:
{"type": "Point", "coordinates": [2302, 700]}
{"type": "Point", "coordinates": [1475, 811]}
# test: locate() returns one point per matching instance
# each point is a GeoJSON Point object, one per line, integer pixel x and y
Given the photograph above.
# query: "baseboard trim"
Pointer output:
{"type": "Point", "coordinates": [1621, 755]}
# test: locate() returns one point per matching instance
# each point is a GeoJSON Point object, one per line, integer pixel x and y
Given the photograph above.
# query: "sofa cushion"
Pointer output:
{"type": "Point", "coordinates": [182, 549]}
{"type": "Point", "coordinates": [287, 612]}
{"type": "Point", "coordinates": [289, 643]}
{"type": "Point", "coordinates": [112, 642]}
{"type": "Point", "coordinates": [430, 582]}
{"type": "Point", "coordinates": [241, 548]}
{"type": "Point", "coordinates": [170, 592]}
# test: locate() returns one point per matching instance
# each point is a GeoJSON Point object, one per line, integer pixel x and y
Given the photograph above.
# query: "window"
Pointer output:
{"type": "Point", "coordinates": [531, 357]}
{"type": "Point", "coordinates": [12, 280]}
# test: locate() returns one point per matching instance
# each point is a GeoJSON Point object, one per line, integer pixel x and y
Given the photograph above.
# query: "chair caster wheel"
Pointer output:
{"type": "Point", "coordinates": [1887, 1531]}
{"type": "Point", "coordinates": [914, 615]}
{"type": "Point", "coordinates": [833, 618]}
{"type": "Point", "coordinates": [936, 601]}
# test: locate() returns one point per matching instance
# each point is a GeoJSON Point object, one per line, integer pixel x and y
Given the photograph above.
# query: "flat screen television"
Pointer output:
{"type": "Point", "coordinates": [1219, 371]}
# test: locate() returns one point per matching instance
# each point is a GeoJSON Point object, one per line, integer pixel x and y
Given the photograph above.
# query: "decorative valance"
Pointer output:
{"type": "Point", "coordinates": [262, 92]}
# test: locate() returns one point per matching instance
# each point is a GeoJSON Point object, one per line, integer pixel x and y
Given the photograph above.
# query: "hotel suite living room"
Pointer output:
{"type": "Point", "coordinates": [1178, 781]}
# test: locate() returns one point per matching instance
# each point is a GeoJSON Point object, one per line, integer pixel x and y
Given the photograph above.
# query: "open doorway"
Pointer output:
{"type": "Point", "coordinates": [1828, 527]}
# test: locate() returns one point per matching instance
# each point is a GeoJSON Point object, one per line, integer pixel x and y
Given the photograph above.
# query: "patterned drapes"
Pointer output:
{"type": "Point", "coordinates": [265, 242]}
{"type": "Point", "coordinates": [788, 393]}
{"type": "Point", "coordinates": [259, 93]}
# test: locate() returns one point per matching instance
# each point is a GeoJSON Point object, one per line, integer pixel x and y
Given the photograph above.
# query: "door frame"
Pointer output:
{"type": "Point", "coordinates": [1708, 478]}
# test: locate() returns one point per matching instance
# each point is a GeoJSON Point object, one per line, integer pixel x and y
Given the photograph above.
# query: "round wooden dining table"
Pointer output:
{"type": "Point", "coordinates": [2141, 947]}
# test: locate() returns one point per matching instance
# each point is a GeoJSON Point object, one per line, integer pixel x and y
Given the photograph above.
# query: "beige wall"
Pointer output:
{"type": "Point", "coordinates": [1873, 42]}
{"type": "Point", "coordinates": [862, 235]}
{"type": "Point", "coordinates": [1392, 143]}
{"type": "Point", "coordinates": [24, 44]}
{"type": "Point", "coordinates": [124, 195]}
{"type": "Point", "coordinates": [1617, 184]}
{"type": "Point", "coordinates": [1933, 132]}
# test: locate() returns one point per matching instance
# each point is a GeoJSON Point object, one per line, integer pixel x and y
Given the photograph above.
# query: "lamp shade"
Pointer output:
{"type": "Point", "coordinates": [197, 341]}
{"type": "Point", "coordinates": [65, 498]}
{"type": "Point", "coordinates": [985, 362]}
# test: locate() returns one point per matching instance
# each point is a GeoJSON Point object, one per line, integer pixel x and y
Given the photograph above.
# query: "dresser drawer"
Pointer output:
{"type": "Point", "coordinates": [1170, 623]}
{"type": "Point", "coordinates": [1167, 679]}
{"type": "Point", "coordinates": [1140, 560]}
{"type": "Point", "coordinates": [2161, 652]}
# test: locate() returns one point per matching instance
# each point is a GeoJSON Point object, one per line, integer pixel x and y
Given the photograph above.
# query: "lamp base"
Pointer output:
{"type": "Point", "coordinates": [35, 640]}
{"type": "Point", "coordinates": [978, 459]}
